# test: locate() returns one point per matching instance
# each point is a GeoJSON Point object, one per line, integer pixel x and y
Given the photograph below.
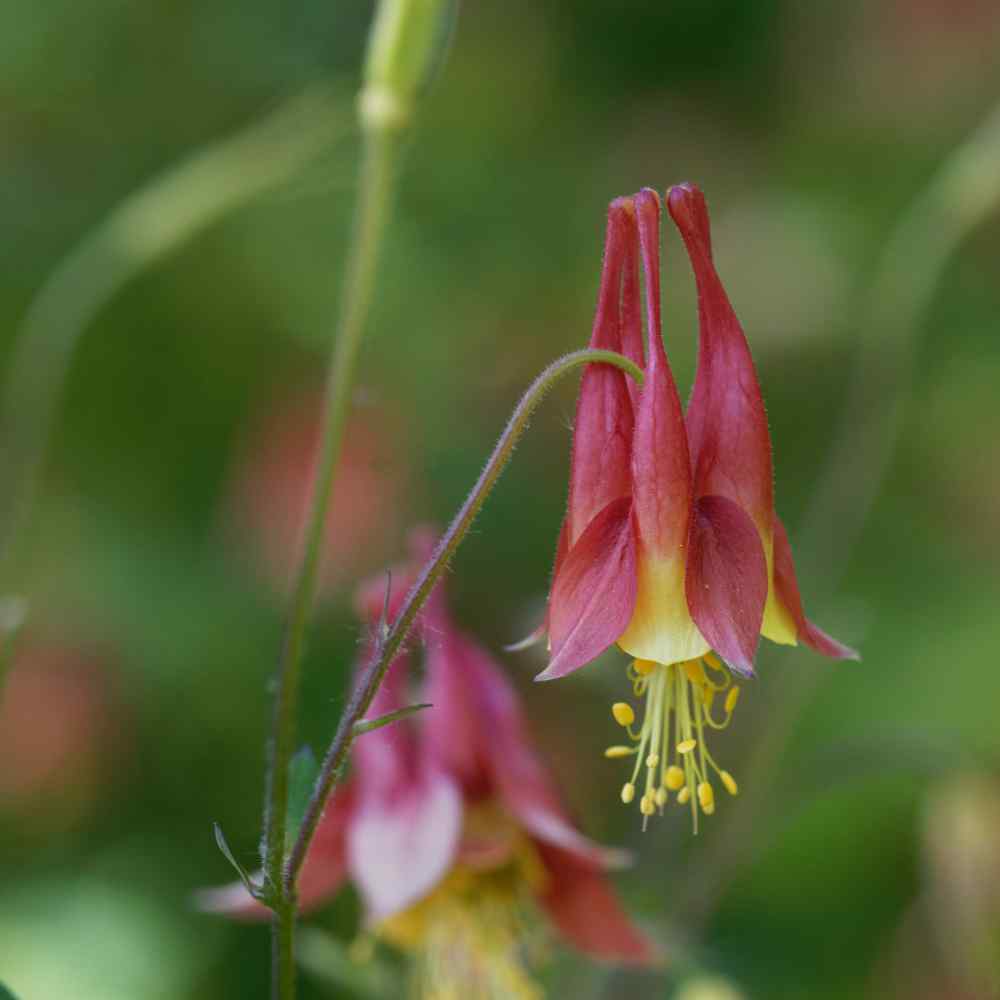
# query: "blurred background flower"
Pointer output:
{"type": "Point", "coordinates": [812, 129]}
{"type": "Point", "coordinates": [62, 735]}
{"type": "Point", "coordinates": [272, 486]}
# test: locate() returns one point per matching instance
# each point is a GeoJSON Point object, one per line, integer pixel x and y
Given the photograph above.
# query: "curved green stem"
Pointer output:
{"type": "Point", "coordinates": [143, 228]}
{"type": "Point", "coordinates": [389, 644]}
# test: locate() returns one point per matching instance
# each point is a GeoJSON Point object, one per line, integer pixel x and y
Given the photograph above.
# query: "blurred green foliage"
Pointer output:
{"type": "Point", "coordinates": [811, 128]}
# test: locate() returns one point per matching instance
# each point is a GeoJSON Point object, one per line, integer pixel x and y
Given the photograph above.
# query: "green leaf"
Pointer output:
{"type": "Point", "coordinates": [303, 770]}
{"type": "Point", "coordinates": [367, 725]}
{"type": "Point", "coordinates": [223, 845]}
{"type": "Point", "coordinates": [5, 994]}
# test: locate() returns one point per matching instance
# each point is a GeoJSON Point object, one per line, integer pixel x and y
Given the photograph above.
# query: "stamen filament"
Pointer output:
{"type": "Point", "coordinates": [674, 751]}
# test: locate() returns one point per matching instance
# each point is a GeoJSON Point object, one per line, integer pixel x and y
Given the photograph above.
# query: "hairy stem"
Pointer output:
{"type": "Point", "coordinates": [389, 644]}
{"type": "Point", "coordinates": [374, 201]}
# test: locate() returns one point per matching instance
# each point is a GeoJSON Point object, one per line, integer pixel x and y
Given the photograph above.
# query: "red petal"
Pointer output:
{"type": "Point", "coordinates": [660, 464]}
{"type": "Point", "coordinates": [787, 589]}
{"type": "Point", "coordinates": [594, 594]}
{"type": "Point", "coordinates": [726, 581]}
{"type": "Point", "coordinates": [584, 907]}
{"type": "Point", "coordinates": [602, 432]}
{"type": "Point", "coordinates": [726, 422]}
{"type": "Point", "coordinates": [631, 304]}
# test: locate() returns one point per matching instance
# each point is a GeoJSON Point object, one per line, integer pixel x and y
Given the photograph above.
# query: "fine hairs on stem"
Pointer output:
{"type": "Point", "coordinates": [389, 644]}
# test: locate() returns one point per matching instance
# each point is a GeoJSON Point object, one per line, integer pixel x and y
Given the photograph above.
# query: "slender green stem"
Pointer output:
{"type": "Point", "coordinates": [283, 950]}
{"type": "Point", "coordinates": [374, 201]}
{"type": "Point", "coordinates": [388, 644]}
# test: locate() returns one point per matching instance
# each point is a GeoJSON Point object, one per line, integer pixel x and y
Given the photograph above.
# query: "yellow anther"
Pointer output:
{"type": "Point", "coordinates": [730, 782]}
{"type": "Point", "coordinates": [673, 778]}
{"type": "Point", "coordinates": [652, 760]}
{"type": "Point", "coordinates": [619, 751]}
{"type": "Point", "coordinates": [695, 672]}
{"type": "Point", "coordinates": [628, 792]}
{"type": "Point", "coordinates": [731, 699]}
{"type": "Point", "coordinates": [645, 667]}
{"type": "Point", "coordinates": [684, 795]}
{"type": "Point", "coordinates": [686, 746]}
{"type": "Point", "coordinates": [647, 805]}
{"type": "Point", "coordinates": [713, 661]}
{"type": "Point", "coordinates": [706, 797]}
{"type": "Point", "coordinates": [661, 797]}
{"type": "Point", "coordinates": [623, 713]}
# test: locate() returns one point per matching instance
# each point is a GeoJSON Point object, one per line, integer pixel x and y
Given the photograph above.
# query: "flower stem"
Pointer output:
{"type": "Point", "coordinates": [389, 643]}
{"type": "Point", "coordinates": [374, 200]}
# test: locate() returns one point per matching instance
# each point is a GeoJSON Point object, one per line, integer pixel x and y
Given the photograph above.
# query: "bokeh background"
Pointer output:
{"type": "Point", "coordinates": [865, 861]}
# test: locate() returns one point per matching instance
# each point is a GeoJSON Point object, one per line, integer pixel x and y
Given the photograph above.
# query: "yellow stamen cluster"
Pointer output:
{"type": "Point", "coordinates": [477, 933]}
{"type": "Point", "coordinates": [671, 746]}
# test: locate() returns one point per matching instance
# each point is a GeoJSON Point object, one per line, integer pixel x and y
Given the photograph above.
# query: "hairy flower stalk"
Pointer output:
{"type": "Point", "coordinates": [453, 831]}
{"type": "Point", "coordinates": [671, 547]}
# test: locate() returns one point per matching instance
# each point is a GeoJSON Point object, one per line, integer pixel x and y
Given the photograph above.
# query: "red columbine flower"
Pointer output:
{"type": "Point", "coordinates": [454, 833]}
{"type": "Point", "coordinates": [671, 547]}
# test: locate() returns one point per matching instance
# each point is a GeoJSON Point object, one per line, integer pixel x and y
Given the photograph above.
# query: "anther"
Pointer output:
{"type": "Point", "coordinates": [619, 751]}
{"type": "Point", "coordinates": [652, 760]}
{"type": "Point", "coordinates": [647, 806]}
{"type": "Point", "coordinates": [731, 699]}
{"type": "Point", "coordinates": [661, 797]}
{"type": "Point", "coordinates": [684, 796]}
{"type": "Point", "coordinates": [628, 792]}
{"type": "Point", "coordinates": [706, 797]}
{"type": "Point", "coordinates": [645, 667]}
{"type": "Point", "coordinates": [686, 746]}
{"type": "Point", "coordinates": [730, 782]}
{"type": "Point", "coordinates": [713, 661]}
{"type": "Point", "coordinates": [695, 673]}
{"type": "Point", "coordinates": [623, 713]}
{"type": "Point", "coordinates": [673, 778]}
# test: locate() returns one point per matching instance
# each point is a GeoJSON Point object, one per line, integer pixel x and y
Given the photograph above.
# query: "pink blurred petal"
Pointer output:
{"type": "Point", "coordinates": [400, 847]}
{"type": "Point", "coordinates": [660, 464]}
{"type": "Point", "coordinates": [726, 581]}
{"type": "Point", "coordinates": [726, 423]}
{"type": "Point", "coordinates": [594, 594]}
{"type": "Point", "coordinates": [586, 910]}
{"type": "Point", "coordinates": [483, 729]}
{"type": "Point", "coordinates": [787, 588]}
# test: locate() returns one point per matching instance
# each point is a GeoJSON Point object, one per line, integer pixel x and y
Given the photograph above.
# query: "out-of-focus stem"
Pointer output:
{"type": "Point", "coordinates": [143, 228]}
{"type": "Point", "coordinates": [389, 644]}
{"type": "Point", "coordinates": [964, 192]}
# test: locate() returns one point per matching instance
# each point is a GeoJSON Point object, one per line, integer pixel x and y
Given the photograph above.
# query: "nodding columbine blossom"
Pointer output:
{"type": "Point", "coordinates": [671, 547]}
{"type": "Point", "coordinates": [454, 833]}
